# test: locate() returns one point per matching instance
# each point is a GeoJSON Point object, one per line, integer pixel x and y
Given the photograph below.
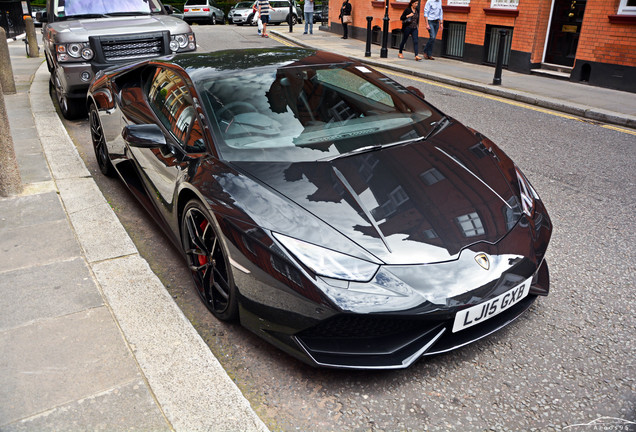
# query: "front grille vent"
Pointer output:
{"type": "Point", "coordinates": [120, 50]}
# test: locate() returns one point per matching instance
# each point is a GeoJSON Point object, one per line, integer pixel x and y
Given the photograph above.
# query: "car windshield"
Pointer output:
{"type": "Point", "coordinates": [196, 3]}
{"type": "Point", "coordinates": [244, 5]}
{"type": "Point", "coordinates": [74, 8]}
{"type": "Point", "coordinates": [310, 113]}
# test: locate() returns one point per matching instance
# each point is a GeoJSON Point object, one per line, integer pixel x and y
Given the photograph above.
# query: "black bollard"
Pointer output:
{"type": "Point", "coordinates": [291, 15]}
{"type": "Point", "coordinates": [367, 52]}
{"type": "Point", "coordinates": [500, 53]}
{"type": "Point", "coordinates": [385, 31]}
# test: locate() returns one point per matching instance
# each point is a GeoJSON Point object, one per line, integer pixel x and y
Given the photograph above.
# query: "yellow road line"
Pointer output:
{"type": "Point", "coordinates": [281, 40]}
{"type": "Point", "coordinates": [620, 129]}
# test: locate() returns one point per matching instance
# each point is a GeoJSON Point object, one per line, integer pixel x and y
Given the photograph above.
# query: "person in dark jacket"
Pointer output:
{"type": "Point", "coordinates": [410, 22]}
{"type": "Point", "coordinates": [345, 11]}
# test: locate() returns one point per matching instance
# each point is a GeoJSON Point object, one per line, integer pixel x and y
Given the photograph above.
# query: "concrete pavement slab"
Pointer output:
{"type": "Point", "coordinates": [126, 407]}
{"type": "Point", "coordinates": [16, 212]}
{"type": "Point", "coordinates": [47, 291]}
{"type": "Point", "coordinates": [80, 194]}
{"type": "Point", "coordinates": [52, 362]}
{"type": "Point", "coordinates": [188, 381]}
{"type": "Point", "coordinates": [101, 234]}
{"type": "Point", "coordinates": [44, 243]}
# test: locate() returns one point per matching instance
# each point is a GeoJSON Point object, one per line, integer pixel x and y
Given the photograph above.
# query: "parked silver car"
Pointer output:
{"type": "Point", "coordinates": [241, 13]}
{"type": "Point", "coordinates": [83, 37]}
{"type": "Point", "coordinates": [202, 11]}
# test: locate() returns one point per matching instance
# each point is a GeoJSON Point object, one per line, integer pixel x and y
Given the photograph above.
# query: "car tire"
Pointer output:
{"type": "Point", "coordinates": [208, 261]}
{"type": "Point", "coordinates": [249, 20]}
{"type": "Point", "coordinates": [213, 19]}
{"type": "Point", "coordinates": [294, 19]}
{"type": "Point", "coordinates": [71, 109]}
{"type": "Point", "coordinates": [99, 143]}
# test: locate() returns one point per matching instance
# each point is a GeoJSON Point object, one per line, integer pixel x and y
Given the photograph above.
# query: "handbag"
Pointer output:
{"type": "Point", "coordinates": [346, 19]}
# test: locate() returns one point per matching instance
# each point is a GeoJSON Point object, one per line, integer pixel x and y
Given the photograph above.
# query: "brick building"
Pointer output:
{"type": "Point", "coordinates": [590, 41]}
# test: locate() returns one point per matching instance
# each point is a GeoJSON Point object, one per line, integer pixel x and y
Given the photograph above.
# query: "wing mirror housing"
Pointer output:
{"type": "Point", "coordinates": [144, 136]}
{"type": "Point", "coordinates": [417, 92]}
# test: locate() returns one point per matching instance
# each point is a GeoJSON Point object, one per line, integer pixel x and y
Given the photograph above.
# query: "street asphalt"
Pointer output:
{"type": "Point", "coordinates": [89, 337]}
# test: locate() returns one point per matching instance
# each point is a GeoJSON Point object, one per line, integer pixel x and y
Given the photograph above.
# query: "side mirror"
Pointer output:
{"type": "Point", "coordinates": [144, 136]}
{"type": "Point", "coordinates": [417, 92]}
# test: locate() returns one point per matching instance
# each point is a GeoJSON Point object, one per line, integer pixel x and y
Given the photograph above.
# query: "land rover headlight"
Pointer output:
{"type": "Point", "coordinates": [182, 42]}
{"type": "Point", "coordinates": [74, 51]}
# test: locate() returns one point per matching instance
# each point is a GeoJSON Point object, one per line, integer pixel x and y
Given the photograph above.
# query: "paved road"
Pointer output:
{"type": "Point", "coordinates": [569, 360]}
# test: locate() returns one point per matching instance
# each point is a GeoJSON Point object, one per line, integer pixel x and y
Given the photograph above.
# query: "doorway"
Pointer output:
{"type": "Point", "coordinates": [567, 18]}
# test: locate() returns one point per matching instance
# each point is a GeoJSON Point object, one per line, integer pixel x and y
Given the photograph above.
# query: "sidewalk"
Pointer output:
{"type": "Point", "coordinates": [89, 337]}
{"type": "Point", "coordinates": [594, 103]}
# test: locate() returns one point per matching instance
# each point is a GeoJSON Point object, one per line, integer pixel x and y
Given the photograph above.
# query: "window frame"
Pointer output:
{"type": "Point", "coordinates": [504, 4]}
{"type": "Point", "coordinates": [184, 90]}
{"type": "Point", "coordinates": [624, 9]}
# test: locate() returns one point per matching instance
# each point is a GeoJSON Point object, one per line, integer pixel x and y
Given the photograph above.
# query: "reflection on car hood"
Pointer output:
{"type": "Point", "coordinates": [413, 204]}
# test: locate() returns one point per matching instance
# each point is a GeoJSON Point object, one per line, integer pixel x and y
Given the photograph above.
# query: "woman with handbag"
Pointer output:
{"type": "Point", "coordinates": [345, 18]}
{"type": "Point", "coordinates": [410, 22]}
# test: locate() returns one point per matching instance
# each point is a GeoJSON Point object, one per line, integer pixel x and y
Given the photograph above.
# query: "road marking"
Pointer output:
{"type": "Point", "coordinates": [282, 41]}
{"type": "Point", "coordinates": [506, 101]}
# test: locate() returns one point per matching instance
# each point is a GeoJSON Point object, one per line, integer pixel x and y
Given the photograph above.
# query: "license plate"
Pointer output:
{"type": "Point", "coordinates": [481, 312]}
{"type": "Point", "coordinates": [196, 10]}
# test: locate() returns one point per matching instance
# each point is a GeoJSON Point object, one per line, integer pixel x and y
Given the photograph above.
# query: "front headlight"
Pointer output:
{"type": "Point", "coordinates": [329, 263]}
{"type": "Point", "coordinates": [527, 193]}
{"type": "Point", "coordinates": [182, 42]}
{"type": "Point", "coordinates": [74, 51]}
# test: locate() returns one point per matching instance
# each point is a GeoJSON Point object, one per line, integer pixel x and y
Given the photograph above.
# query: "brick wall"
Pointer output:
{"type": "Point", "coordinates": [600, 40]}
{"type": "Point", "coordinates": [604, 41]}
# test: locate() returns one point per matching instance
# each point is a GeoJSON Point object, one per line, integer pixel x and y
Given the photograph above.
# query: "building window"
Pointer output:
{"type": "Point", "coordinates": [492, 43]}
{"type": "Point", "coordinates": [627, 7]}
{"type": "Point", "coordinates": [430, 234]}
{"type": "Point", "coordinates": [471, 225]}
{"type": "Point", "coordinates": [454, 37]}
{"type": "Point", "coordinates": [398, 196]}
{"type": "Point", "coordinates": [431, 176]}
{"type": "Point", "coordinates": [508, 4]}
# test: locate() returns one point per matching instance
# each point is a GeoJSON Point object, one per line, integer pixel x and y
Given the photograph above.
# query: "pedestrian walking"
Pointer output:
{"type": "Point", "coordinates": [410, 22]}
{"type": "Point", "coordinates": [434, 19]}
{"type": "Point", "coordinates": [308, 11]}
{"type": "Point", "coordinates": [263, 12]}
{"type": "Point", "coordinates": [345, 18]}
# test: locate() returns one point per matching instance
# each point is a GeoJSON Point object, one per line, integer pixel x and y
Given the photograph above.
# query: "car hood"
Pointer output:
{"type": "Point", "coordinates": [413, 204]}
{"type": "Point", "coordinates": [77, 30]}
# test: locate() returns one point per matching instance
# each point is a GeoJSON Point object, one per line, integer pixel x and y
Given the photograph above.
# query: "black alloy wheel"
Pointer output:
{"type": "Point", "coordinates": [99, 143]}
{"type": "Point", "coordinates": [207, 261]}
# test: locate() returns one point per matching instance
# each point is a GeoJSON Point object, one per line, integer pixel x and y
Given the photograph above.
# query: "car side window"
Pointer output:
{"type": "Point", "coordinates": [171, 102]}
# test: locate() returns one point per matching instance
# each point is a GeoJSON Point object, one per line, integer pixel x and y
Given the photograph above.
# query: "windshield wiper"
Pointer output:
{"type": "Point", "coordinates": [371, 148]}
{"type": "Point", "coordinates": [92, 15]}
{"type": "Point", "coordinates": [127, 13]}
{"type": "Point", "coordinates": [437, 127]}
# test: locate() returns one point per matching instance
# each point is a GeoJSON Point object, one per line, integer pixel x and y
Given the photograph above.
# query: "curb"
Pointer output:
{"type": "Point", "coordinates": [583, 111]}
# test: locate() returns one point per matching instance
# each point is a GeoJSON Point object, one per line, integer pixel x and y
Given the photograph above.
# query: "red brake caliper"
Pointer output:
{"type": "Point", "coordinates": [203, 259]}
